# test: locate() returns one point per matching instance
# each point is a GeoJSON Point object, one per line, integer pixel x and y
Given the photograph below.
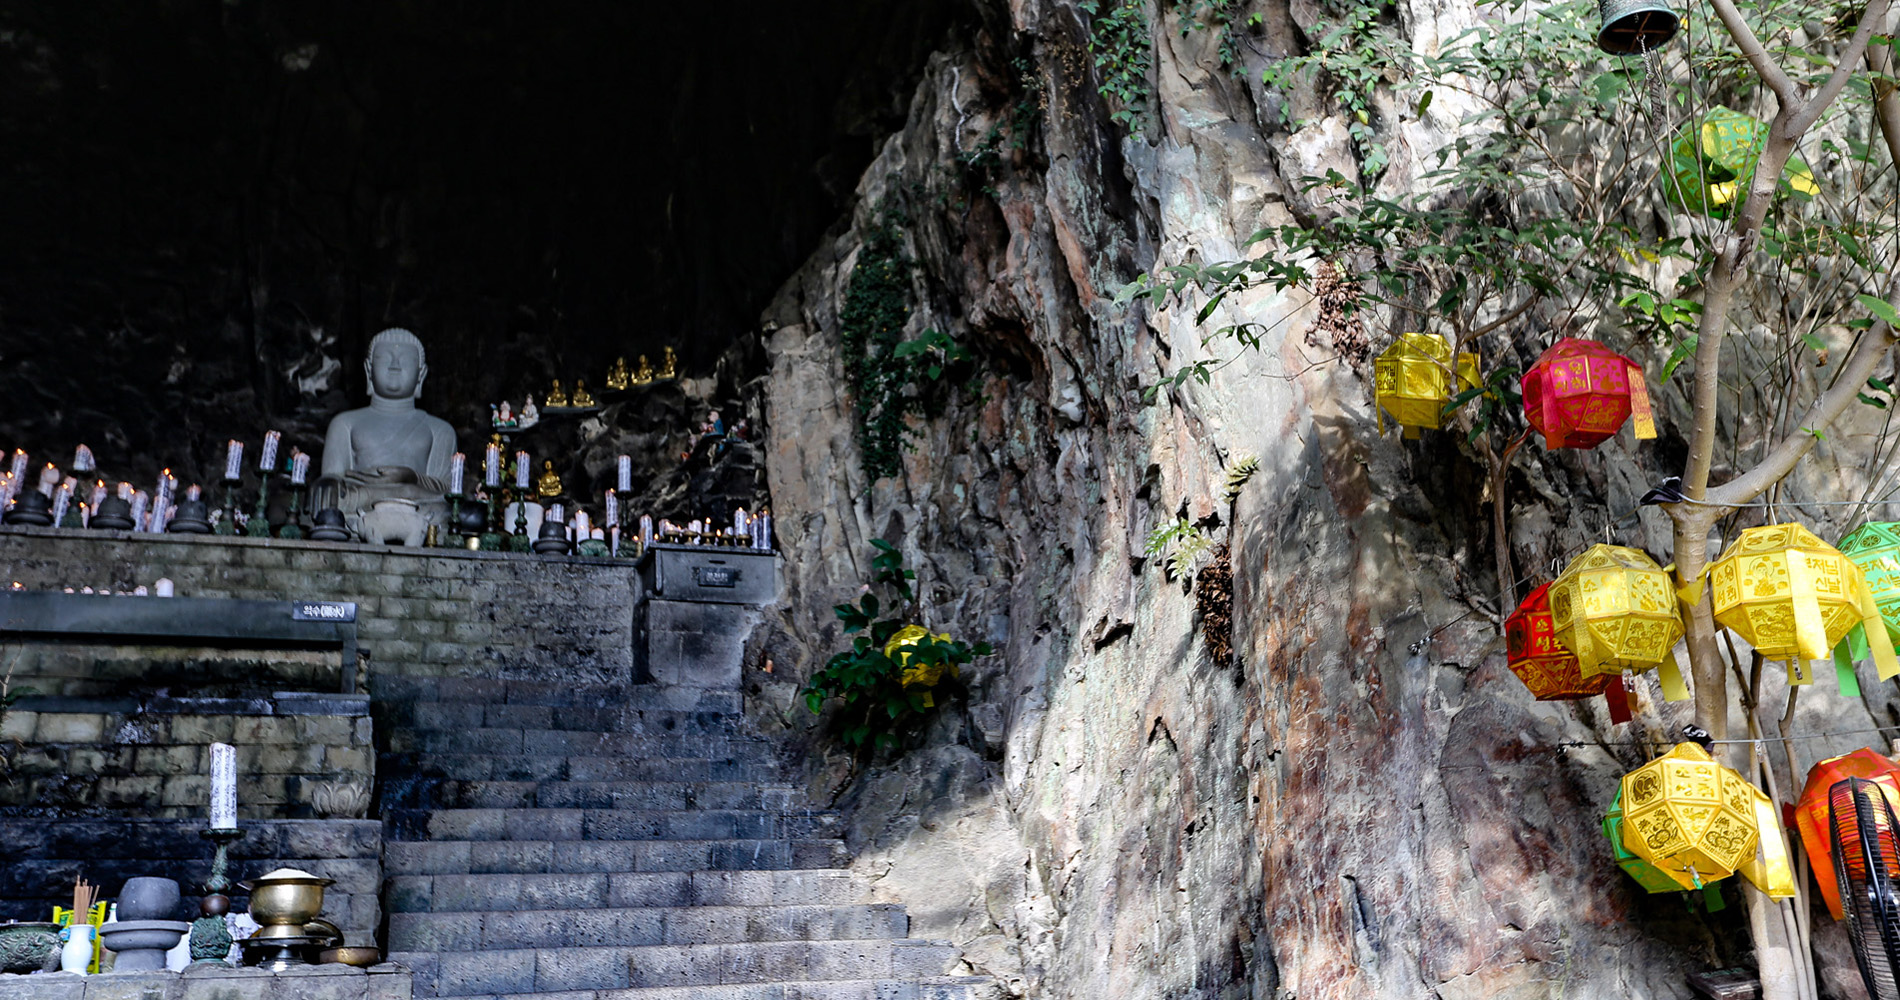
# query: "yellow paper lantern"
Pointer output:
{"type": "Point", "coordinates": [1616, 610]}
{"type": "Point", "coordinates": [1794, 597]}
{"type": "Point", "coordinates": [1413, 380]}
{"type": "Point", "coordinates": [1699, 821]}
{"type": "Point", "coordinates": [925, 675]}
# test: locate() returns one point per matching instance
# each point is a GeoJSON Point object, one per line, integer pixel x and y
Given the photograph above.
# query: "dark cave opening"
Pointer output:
{"type": "Point", "coordinates": [212, 205]}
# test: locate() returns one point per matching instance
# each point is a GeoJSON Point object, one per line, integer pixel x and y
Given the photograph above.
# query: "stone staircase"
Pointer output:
{"type": "Point", "coordinates": [590, 843]}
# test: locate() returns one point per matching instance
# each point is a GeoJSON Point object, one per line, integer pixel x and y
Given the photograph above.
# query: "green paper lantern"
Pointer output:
{"type": "Point", "coordinates": [1648, 876]}
{"type": "Point", "coordinates": [1712, 165]}
{"type": "Point", "coordinates": [1875, 548]}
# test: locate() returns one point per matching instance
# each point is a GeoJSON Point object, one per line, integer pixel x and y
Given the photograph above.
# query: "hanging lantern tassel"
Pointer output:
{"type": "Point", "coordinates": [1770, 871]}
{"type": "Point", "coordinates": [1642, 417]}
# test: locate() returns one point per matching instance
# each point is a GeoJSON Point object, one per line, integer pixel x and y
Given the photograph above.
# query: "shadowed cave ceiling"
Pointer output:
{"type": "Point", "coordinates": [212, 205]}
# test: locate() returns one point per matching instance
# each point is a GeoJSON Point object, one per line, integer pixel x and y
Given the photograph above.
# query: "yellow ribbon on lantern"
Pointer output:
{"type": "Point", "coordinates": [1772, 872]}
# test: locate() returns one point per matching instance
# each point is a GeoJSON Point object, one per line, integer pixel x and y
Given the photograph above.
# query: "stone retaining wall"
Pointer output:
{"type": "Point", "coordinates": [420, 612]}
{"type": "Point", "coordinates": [145, 758]}
{"type": "Point", "coordinates": [318, 982]}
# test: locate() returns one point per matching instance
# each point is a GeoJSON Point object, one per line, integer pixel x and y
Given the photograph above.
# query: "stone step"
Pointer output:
{"type": "Point", "coordinates": [621, 890]}
{"type": "Point", "coordinates": [697, 819]}
{"type": "Point", "coordinates": [494, 691]}
{"type": "Point", "coordinates": [581, 743]}
{"type": "Point", "coordinates": [562, 860]}
{"type": "Point", "coordinates": [448, 715]}
{"type": "Point", "coordinates": [447, 793]}
{"type": "Point", "coordinates": [544, 970]}
{"type": "Point", "coordinates": [559, 767]}
{"type": "Point", "coordinates": [922, 988]}
{"type": "Point", "coordinates": [628, 927]}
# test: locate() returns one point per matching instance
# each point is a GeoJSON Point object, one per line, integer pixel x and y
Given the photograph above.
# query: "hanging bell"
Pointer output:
{"type": "Point", "coordinates": [1632, 27]}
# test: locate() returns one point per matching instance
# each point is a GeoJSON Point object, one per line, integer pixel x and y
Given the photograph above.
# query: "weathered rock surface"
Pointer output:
{"type": "Point", "coordinates": [1365, 803]}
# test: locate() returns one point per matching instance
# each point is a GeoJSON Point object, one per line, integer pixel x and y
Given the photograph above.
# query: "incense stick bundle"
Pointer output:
{"type": "Point", "coordinates": [84, 895]}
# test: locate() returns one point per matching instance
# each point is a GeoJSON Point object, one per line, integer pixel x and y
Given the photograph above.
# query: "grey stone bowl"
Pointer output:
{"type": "Point", "coordinates": [148, 899]}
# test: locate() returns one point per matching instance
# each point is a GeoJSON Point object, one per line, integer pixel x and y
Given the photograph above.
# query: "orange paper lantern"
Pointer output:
{"type": "Point", "coordinates": [1533, 653]}
{"type": "Point", "coordinates": [1579, 392]}
{"type": "Point", "coordinates": [1810, 812]}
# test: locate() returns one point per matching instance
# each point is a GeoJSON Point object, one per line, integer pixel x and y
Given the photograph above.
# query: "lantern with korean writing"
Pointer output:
{"type": "Point", "coordinates": [1415, 378]}
{"type": "Point", "coordinates": [1698, 821]}
{"type": "Point", "coordinates": [1648, 876]}
{"type": "Point", "coordinates": [1793, 597]}
{"type": "Point", "coordinates": [1810, 811]}
{"type": "Point", "coordinates": [1712, 164]}
{"type": "Point", "coordinates": [1615, 609]}
{"type": "Point", "coordinates": [1875, 548]}
{"type": "Point", "coordinates": [1579, 393]}
{"type": "Point", "coordinates": [1533, 653]}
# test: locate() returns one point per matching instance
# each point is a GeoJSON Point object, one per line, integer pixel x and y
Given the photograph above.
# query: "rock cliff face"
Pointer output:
{"type": "Point", "coordinates": [1363, 802]}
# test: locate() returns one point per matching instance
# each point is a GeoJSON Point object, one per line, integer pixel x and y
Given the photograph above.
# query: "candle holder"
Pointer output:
{"type": "Point", "coordinates": [210, 938]}
{"type": "Point", "coordinates": [519, 541]}
{"type": "Point", "coordinates": [492, 540]}
{"type": "Point", "coordinates": [259, 525]}
{"type": "Point", "coordinates": [293, 527]}
{"type": "Point", "coordinates": [227, 524]}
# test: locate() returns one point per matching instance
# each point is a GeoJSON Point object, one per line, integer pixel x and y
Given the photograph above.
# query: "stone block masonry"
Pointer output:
{"type": "Point", "coordinates": [146, 758]}
{"type": "Point", "coordinates": [319, 982]}
{"type": "Point", "coordinates": [45, 856]}
{"type": "Point", "coordinates": [420, 612]}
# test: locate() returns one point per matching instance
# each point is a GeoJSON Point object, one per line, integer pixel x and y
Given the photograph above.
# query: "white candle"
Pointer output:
{"type": "Point", "coordinates": [82, 459]}
{"type": "Point", "coordinates": [234, 460]}
{"type": "Point", "coordinates": [554, 513]}
{"type": "Point", "coordinates": [456, 463]}
{"type": "Point", "coordinates": [299, 467]}
{"type": "Point", "coordinates": [491, 466]}
{"type": "Point", "coordinates": [62, 499]}
{"type": "Point", "coordinates": [521, 470]}
{"type": "Point", "coordinates": [194, 492]}
{"type": "Point", "coordinates": [162, 587]}
{"type": "Point", "coordinates": [583, 525]}
{"type": "Point", "coordinates": [764, 525]}
{"type": "Point", "coordinates": [223, 786]}
{"type": "Point", "coordinates": [6, 489]}
{"type": "Point", "coordinates": [18, 470]}
{"type": "Point", "coordinates": [625, 467]}
{"type": "Point", "coordinates": [125, 491]}
{"type": "Point", "coordinates": [49, 479]}
{"type": "Point", "coordinates": [139, 500]}
{"type": "Point", "coordinates": [613, 508]}
{"type": "Point", "coordinates": [646, 529]}
{"type": "Point", "coordinates": [267, 461]}
{"type": "Point", "coordinates": [741, 523]}
{"type": "Point", "coordinates": [98, 493]}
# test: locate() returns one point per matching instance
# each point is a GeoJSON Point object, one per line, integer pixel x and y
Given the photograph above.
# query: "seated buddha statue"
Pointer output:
{"type": "Point", "coordinates": [390, 449]}
{"type": "Point", "coordinates": [669, 365]}
{"type": "Point", "coordinates": [643, 375]}
{"type": "Point", "coordinates": [582, 397]}
{"type": "Point", "coordinates": [557, 396]}
{"type": "Point", "coordinates": [617, 375]}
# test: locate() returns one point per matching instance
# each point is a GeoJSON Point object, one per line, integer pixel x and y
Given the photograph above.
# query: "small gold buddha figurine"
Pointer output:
{"type": "Point", "coordinates": [669, 365]}
{"type": "Point", "coordinates": [581, 396]}
{"type": "Point", "coordinates": [549, 485]}
{"type": "Point", "coordinates": [643, 375]}
{"type": "Point", "coordinates": [557, 396]}
{"type": "Point", "coordinates": [617, 375]}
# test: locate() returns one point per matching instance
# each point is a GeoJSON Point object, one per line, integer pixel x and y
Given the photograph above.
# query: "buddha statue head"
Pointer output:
{"type": "Point", "coordinates": [395, 365]}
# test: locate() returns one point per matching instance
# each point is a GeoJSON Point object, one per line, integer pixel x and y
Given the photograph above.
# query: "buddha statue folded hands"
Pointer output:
{"type": "Point", "coordinates": [389, 456]}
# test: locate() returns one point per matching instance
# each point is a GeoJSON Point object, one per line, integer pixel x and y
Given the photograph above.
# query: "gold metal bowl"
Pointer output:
{"type": "Point", "coordinates": [285, 900]}
{"type": "Point", "coordinates": [362, 958]}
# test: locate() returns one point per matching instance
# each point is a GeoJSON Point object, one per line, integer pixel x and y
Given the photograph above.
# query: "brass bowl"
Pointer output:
{"type": "Point", "coordinates": [285, 900]}
{"type": "Point", "coordinates": [361, 958]}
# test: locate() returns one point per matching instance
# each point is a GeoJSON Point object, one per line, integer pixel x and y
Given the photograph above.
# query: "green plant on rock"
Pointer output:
{"type": "Point", "coordinates": [1123, 45]}
{"type": "Point", "coordinates": [888, 679]}
{"type": "Point", "coordinates": [888, 374]}
{"type": "Point", "coordinates": [1219, 16]}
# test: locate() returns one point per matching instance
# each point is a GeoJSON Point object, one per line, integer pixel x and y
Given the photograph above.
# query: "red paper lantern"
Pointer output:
{"type": "Point", "coordinates": [1810, 812]}
{"type": "Point", "coordinates": [1579, 393]}
{"type": "Point", "coordinates": [1533, 653]}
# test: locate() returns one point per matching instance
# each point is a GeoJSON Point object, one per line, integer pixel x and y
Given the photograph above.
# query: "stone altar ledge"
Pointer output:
{"type": "Point", "coordinates": [316, 982]}
{"type": "Point", "coordinates": [301, 544]}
